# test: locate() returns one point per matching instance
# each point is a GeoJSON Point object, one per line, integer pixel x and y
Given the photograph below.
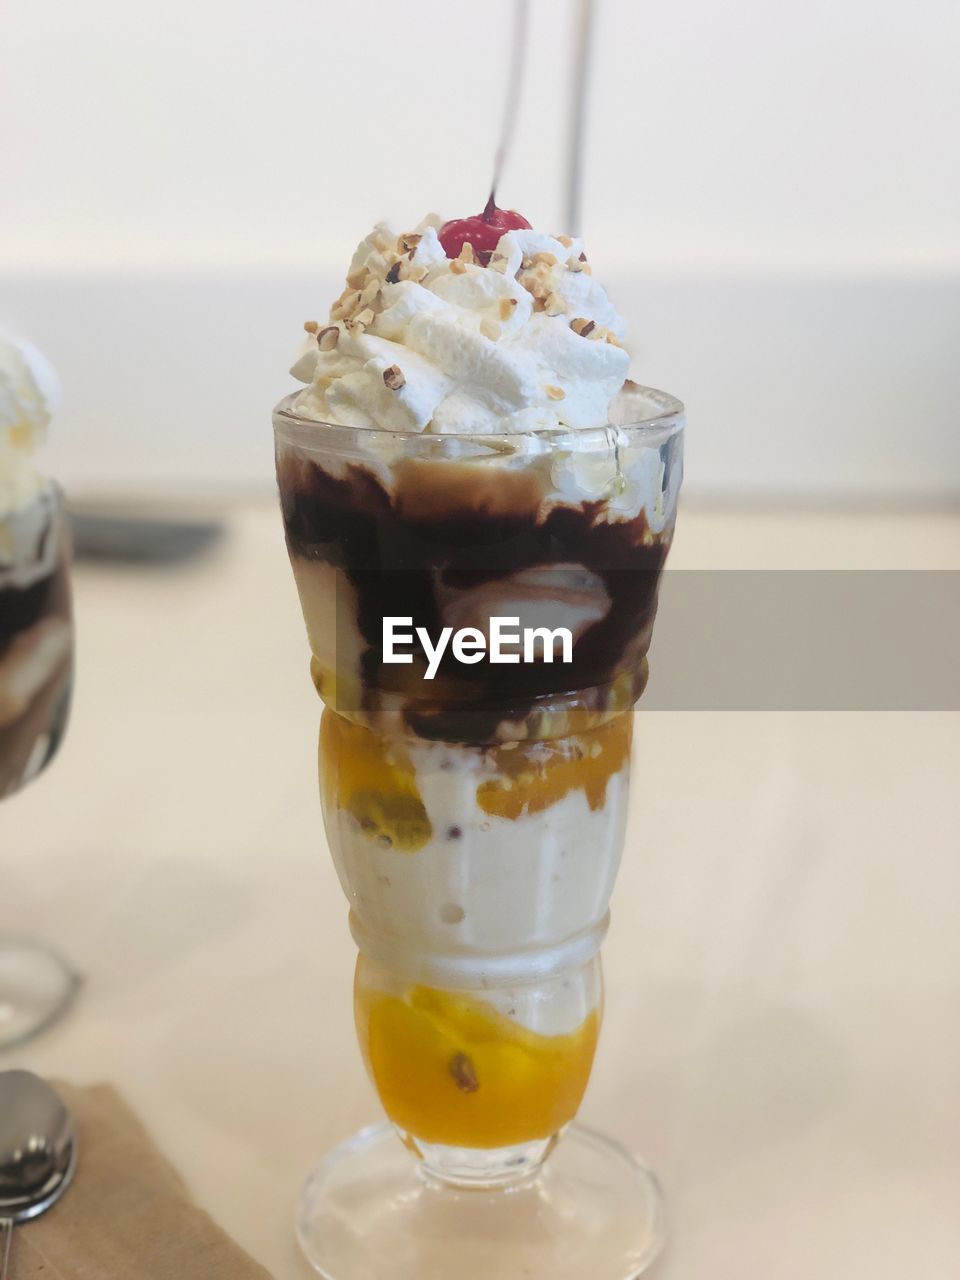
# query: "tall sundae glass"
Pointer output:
{"type": "Point", "coordinates": [36, 659]}
{"type": "Point", "coordinates": [478, 505]}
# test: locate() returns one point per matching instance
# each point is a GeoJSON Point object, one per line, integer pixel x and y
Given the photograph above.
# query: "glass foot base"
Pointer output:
{"type": "Point", "coordinates": [366, 1213]}
{"type": "Point", "coordinates": [36, 987]}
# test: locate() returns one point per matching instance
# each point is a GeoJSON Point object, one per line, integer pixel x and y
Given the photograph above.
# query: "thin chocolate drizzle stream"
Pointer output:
{"type": "Point", "coordinates": [521, 26]}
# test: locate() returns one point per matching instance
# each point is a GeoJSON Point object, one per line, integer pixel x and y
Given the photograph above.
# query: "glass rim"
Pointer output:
{"type": "Point", "coordinates": [666, 420]}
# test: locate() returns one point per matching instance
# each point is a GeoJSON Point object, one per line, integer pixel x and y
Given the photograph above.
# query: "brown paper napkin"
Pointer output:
{"type": "Point", "coordinates": [127, 1215]}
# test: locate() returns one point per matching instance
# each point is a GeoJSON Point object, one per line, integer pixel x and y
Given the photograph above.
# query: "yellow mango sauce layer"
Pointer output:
{"type": "Point", "coordinates": [451, 1069]}
{"type": "Point", "coordinates": [372, 776]}
{"type": "Point", "coordinates": [531, 776]}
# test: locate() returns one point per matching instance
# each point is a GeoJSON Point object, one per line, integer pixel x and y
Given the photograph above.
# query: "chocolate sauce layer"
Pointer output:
{"type": "Point", "coordinates": [448, 528]}
{"type": "Point", "coordinates": [21, 607]}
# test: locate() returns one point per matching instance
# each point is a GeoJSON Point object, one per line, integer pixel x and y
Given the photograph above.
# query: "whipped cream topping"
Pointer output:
{"type": "Point", "coordinates": [28, 394]}
{"type": "Point", "coordinates": [628, 479]}
{"type": "Point", "coordinates": [420, 342]}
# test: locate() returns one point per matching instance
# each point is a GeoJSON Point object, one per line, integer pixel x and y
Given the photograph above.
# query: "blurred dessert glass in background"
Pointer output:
{"type": "Point", "coordinates": [36, 651]}
{"type": "Point", "coordinates": [36, 637]}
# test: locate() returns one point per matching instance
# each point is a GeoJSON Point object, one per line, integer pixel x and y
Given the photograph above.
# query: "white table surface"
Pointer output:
{"type": "Point", "coordinates": [782, 1038]}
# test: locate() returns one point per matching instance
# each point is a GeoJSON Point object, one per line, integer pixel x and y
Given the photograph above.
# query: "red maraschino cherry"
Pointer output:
{"type": "Point", "coordinates": [482, 231]}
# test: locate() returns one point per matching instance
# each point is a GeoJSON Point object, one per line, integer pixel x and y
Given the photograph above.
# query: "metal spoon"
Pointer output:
{"type": "Point", "coordinates": [38, 1152]}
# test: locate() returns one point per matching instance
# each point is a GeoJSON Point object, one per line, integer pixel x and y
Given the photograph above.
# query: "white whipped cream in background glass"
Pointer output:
{"type": "Point", "coordinates": [29, 396]}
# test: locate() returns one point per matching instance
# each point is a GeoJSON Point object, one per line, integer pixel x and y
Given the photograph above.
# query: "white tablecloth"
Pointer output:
{"type": "Point", "coordinates": [782, 1038]}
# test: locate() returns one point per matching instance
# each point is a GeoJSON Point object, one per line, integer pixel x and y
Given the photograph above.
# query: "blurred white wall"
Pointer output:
{"type": "Point", "coordinates": [773, 198]}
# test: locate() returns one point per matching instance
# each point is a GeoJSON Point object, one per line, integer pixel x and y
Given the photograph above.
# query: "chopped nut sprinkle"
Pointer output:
{"type": "Point", "coordinates": [409, 241]}
{"type": "Point", "coordinates": [565, 241]}
{"type": "Point", "coordinates": [393, 275]}
{"type": "Point", "coordinates": [555, 305]}
{"type": "Point", "coordinates": [328, 338]}
{"type": "Point", "coordinates": [356, 278]}
{"type": "Point", "coordinates": [490, 329]}
{"type": "Point", "coordinates": [466, 253]}
{"type": "Point", "coordinates": [362, 319]}
{"type": "Point", "coordinates": [544, 259]}
{"type": "Point", "coordinates": [370, 292]}
{"type": "Point", "coordinates": [393, 378]}
{"type": "Point", "coordinates": [507, 306]}
{"type": "Point", "coordinates": [310, 326]}
{"type": "Point", "coordinates": [458, 268]}
{"type": "Point", "coordinates": [583, 327]}
{"type": "Point", "coordinates": [464, 1073]}
{"type": "Point", "coordinates": [555, 393]}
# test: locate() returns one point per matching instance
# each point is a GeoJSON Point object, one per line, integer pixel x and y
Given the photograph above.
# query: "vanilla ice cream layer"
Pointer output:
{"type": "Point", "coordinates": [420, 342]}
{"type": "Point", "coordinates": [482, 884]}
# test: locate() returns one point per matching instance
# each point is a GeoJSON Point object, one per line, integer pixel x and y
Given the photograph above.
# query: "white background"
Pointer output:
{"type": "Point", "coordinates": [773, 199]}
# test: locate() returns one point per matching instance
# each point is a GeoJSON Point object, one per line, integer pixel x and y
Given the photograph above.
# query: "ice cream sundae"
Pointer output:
{"type": "Point", "coordinates": [468, 447]}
